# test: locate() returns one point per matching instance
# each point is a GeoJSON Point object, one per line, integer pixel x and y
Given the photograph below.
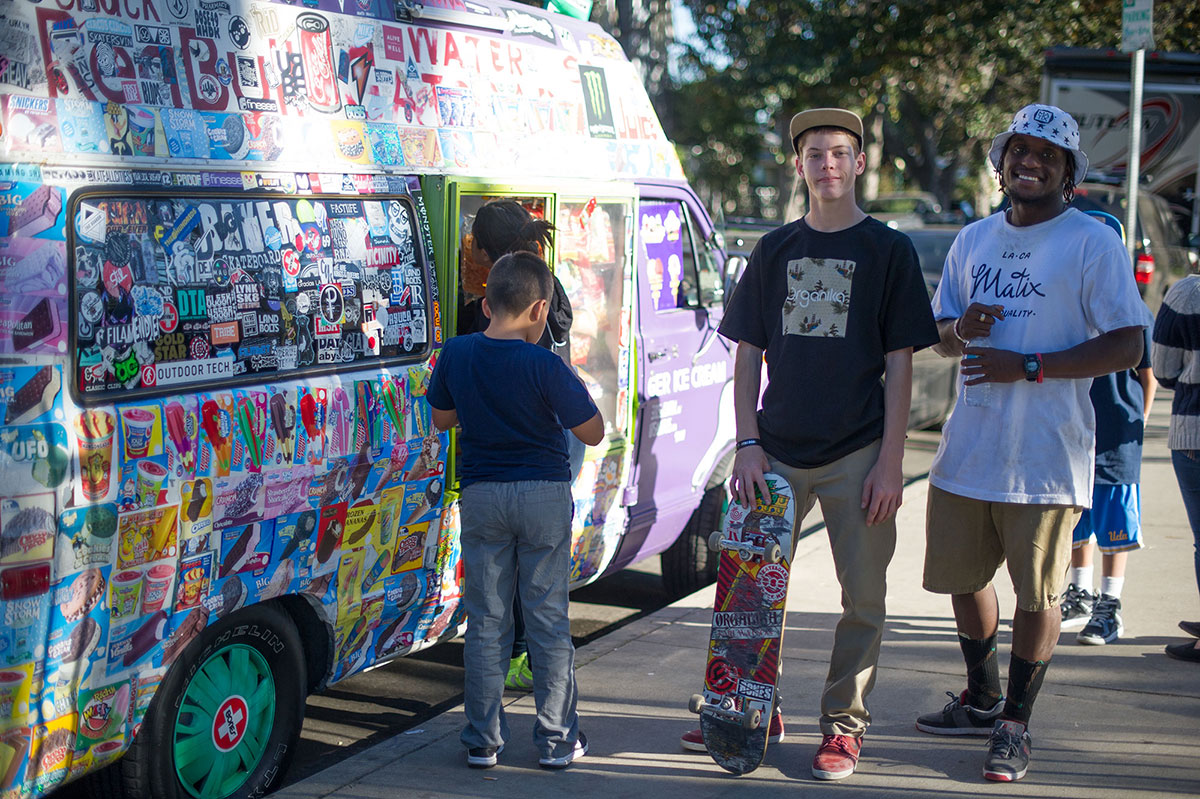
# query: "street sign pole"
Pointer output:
{"type": "Point", "coordinates": [1137, 34]}
{"type": "Point", "coordinates": [1133, 173]}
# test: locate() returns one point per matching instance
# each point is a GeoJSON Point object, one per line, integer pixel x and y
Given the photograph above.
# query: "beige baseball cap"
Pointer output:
{"type": "Point", "coordinates": [826, 118]}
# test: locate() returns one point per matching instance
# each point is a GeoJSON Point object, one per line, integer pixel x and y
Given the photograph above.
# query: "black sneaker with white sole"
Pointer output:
{"type": "Point", "coordinates": [483, 756]}
{"type": "Point", "coordinates": [562, 761]}
{"type": "Point", "coordinates": [1105, 626]}
{"type": "Point", "coordinates": [959, 718]}
{"type": "Point", "coordinates": [1076, 607]}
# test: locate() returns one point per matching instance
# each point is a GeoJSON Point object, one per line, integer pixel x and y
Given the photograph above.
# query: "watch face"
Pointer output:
{"type": "Point", "coordinates": [1031, 367]}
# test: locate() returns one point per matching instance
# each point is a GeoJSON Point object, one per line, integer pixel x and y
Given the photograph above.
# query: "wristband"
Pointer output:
{"type": "Point", "coordinates": [954, 330]}
{"type": "Point", "coordinates": [749, 442]}
{"type": "Point", "coordinates": [1038, 355]}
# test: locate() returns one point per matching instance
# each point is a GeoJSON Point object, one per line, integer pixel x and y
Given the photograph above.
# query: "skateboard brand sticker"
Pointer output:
{"type": "Point", "coordinates": [750, 689]}
{"type": "Point", "coordinates": [229, 725]}
{"type": "Point", "coordinates": [773, 581]}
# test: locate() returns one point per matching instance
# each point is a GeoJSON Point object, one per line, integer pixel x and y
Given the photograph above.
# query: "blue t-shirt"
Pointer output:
{"type": "Point", "coordinates": [1120, 403]}
{"type": "Point", "coordinates": [513, 401]}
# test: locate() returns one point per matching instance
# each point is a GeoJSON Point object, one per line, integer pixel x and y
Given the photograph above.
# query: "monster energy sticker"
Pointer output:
{"type": "Point", "coordinates": [597, 104]}
{"type": "Point", "coordinates": [818, 298]}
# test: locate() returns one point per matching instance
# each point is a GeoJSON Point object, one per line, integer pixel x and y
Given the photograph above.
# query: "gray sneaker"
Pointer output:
{"type": "Point", "coordinates": [1105, 625]}
{"type": "Point", "coordinates": [1008, 752]}
{"type": "Point", "coordinates": [1076, 606]}
{"type": "Point", "coordinates": [562, 761]}
{"type": "Point", "coordinates": [959, 718]}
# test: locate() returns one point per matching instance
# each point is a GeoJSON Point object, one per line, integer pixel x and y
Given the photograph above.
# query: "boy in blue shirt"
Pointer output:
{"type": "Point", "coordinates": [1122, 403]}
{"type": "Point", "coordinates": [513, 399]}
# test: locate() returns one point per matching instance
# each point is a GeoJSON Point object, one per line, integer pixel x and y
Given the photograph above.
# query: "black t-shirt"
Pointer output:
{"type": "Point", "coordinates": [827, 308]}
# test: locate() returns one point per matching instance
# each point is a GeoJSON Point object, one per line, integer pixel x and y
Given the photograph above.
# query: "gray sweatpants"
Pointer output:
{"type": "Point", "coordinates": [516, 537]}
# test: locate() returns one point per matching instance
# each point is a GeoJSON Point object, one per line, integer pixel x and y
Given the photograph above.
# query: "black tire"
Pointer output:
{"type": "Point", "coordinates": [689, 564]}
{"type": "Point", "coordinates": [148, 769]}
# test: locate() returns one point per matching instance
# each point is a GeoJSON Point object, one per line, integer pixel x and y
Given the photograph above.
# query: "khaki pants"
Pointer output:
{"type": "Point", "coordinates": [861, 556]}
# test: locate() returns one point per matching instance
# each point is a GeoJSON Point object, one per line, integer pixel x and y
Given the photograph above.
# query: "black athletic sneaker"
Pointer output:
{"type": "Point", "coordinates": [1105, 625]}
{"type": "Point", "coordinates": [959, 718]}
{"type": "Point", "coordinates": [483, 756]}
{"type": "Point", "coordinates": [1008, 752]}
{"type": "Point", "coordinates": [1077, 606]}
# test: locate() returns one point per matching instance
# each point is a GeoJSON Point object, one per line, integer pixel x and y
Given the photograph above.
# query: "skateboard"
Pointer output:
{"type": "Point", "coordinates": [740, 693]}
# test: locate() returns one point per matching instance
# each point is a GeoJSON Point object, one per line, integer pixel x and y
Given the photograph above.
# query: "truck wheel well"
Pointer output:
{"type": "Point", "coordinates": [315, 635]}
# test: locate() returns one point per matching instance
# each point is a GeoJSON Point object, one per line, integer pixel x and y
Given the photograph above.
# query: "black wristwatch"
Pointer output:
{"type": "Point", "coordinates": [1033, 367]}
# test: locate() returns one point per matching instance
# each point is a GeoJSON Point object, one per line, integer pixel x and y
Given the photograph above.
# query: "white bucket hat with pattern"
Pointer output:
{"type": "Point", "coordinates": [1044, 122]}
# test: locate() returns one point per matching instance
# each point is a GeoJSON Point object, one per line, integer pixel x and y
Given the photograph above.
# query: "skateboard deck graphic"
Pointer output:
{"type": "Point", "coordinates": [740, 692]}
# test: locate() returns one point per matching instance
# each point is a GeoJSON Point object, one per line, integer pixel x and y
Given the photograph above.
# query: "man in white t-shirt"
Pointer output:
{"type": "Point", "coordinates": [1037, 299]}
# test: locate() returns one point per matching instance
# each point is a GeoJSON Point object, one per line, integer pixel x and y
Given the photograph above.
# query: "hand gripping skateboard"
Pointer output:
{"type": "Point", "coordinates": [740, 694]}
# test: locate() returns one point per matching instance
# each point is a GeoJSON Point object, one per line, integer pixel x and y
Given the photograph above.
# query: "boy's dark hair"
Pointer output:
{"type": "Point", "coordinates": [504, 226]}
{"type": "Point", "coordinates": [830, 129]}
{"type": "Point", "coordinates": [517, 281]}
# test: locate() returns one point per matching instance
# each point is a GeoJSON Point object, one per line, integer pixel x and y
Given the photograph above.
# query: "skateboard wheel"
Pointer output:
{"type": "Point", "coordinates": [774, 553]}
{"type": "Point", "coordinates": [696, 703]}
{"type": "Point", "coordinates": [752, 719]}
{"type": "Point", "coordinates": [714, 541]}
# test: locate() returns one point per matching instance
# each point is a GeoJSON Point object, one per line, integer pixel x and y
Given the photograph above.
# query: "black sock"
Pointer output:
{"type": "Point", "coordinates": [1024, 682]}
{"type": "Point", "coordinates": [983, 671]}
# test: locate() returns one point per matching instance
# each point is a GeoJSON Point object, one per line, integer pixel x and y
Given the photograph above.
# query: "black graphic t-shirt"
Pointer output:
{"type": "Point", "coordinates": [827, 308]}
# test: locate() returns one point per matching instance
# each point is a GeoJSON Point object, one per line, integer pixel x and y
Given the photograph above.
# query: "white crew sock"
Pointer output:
{"type": "Point", "coordinates": [1112, 586]}
{"type": "Point", "coordinates": [1082, 577]}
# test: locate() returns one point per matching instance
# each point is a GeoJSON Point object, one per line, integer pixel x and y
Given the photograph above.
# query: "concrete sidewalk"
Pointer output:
{"type": "Point", "coordinates": [1121, 720]}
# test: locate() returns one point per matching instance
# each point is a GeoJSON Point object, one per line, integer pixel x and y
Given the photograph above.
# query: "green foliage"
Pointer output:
{"type": "Point", "coordinates": [946, 76]}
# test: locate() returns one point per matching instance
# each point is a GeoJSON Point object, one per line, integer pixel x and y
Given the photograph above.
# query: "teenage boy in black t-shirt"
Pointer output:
{"type": "Point", "coordinates": [513, 399]}
{"type": "Point", "coordinates": [836, 302]}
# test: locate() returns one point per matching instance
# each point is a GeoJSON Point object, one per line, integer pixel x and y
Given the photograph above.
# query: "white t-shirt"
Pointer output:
{"type": "Point", "coordinates": [1061, 283]}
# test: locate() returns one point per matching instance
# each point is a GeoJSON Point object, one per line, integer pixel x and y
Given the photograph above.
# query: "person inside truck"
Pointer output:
{"type": "Point", "coordinates": [501, 227]}
{"type": "Point", "coordinates": [835, 301]}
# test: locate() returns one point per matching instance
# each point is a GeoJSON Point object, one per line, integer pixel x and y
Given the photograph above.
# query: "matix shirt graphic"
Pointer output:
{"type": "Point", "coordinates": [818, 298]}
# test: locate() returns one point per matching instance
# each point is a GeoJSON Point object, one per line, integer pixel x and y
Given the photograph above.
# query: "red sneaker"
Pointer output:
{"type": "Point", "coordinates": [837, 757]}
{"type": "Point", "coordinates": [694, 742]}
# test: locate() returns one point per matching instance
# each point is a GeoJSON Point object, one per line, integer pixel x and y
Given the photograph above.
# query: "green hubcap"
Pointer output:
{"type": "Point", "coordinates": [224, 722]}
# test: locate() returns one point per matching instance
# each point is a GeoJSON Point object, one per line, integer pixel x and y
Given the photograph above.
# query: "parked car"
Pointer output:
{"type": "Point", "coordinates": [1160, 253]}
{"type": "Point", "coordinates": [907, 209]}
{"type": "Point", "coordinates": [743, 232]}
{"type": "Point", "coordinates": [935, 379]}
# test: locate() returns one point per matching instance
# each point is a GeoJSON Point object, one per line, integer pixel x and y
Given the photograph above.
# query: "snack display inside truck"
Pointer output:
{"type": "Point", "coordinates": [231, 236]}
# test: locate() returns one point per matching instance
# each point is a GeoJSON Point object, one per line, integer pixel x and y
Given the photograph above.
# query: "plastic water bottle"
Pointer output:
{"type": "Point", "coordinates": [979, 395]}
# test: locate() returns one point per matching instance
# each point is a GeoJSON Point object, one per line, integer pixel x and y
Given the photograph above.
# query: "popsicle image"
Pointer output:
{"type": "Point", "coordinates": [252, 423]}
{"type": "Point", "coordinates": [180, 440]}
{"type": "Point", "coordinates": [283, 422]}
{"type": "Point", "coordinates": [210, 422]}
{"type": "Point", "coordinates": [433, 495]}
{"type": "Point", "coordinates": [393, 402]}
{"type": "Point", "coordinates": [146, 637]}
{"type": "Point", "coordinates": [431, 447]}
{"type": "Point", "coordinates": [340, 418]}
{"type": "Point", "coordinates": [312, 416]}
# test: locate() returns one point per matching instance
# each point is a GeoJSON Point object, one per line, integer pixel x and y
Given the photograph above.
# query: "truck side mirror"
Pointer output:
{"type": "Point", "coordinates": [734, 266]}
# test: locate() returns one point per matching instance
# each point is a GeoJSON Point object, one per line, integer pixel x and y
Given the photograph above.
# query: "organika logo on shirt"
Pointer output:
{"type": "Point", "coordinates": [818, 297]}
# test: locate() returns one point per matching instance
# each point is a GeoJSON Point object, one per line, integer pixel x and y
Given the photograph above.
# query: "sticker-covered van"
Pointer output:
{"type": "Point", "coordinates": [230, 238]}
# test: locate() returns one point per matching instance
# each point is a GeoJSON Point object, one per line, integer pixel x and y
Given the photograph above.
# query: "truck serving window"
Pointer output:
{"type": "Point", "coordinates": [172, 291]}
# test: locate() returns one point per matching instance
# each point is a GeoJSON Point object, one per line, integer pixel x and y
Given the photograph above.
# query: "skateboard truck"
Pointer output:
{"type": "Point", "coordinates": [769, 551]}
{"type": "Point", "coordinates": [724, 707]}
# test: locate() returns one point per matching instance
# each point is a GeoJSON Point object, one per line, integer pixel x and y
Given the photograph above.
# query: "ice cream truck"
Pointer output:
{"type": "Point", "coordinates": [230, 241]}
